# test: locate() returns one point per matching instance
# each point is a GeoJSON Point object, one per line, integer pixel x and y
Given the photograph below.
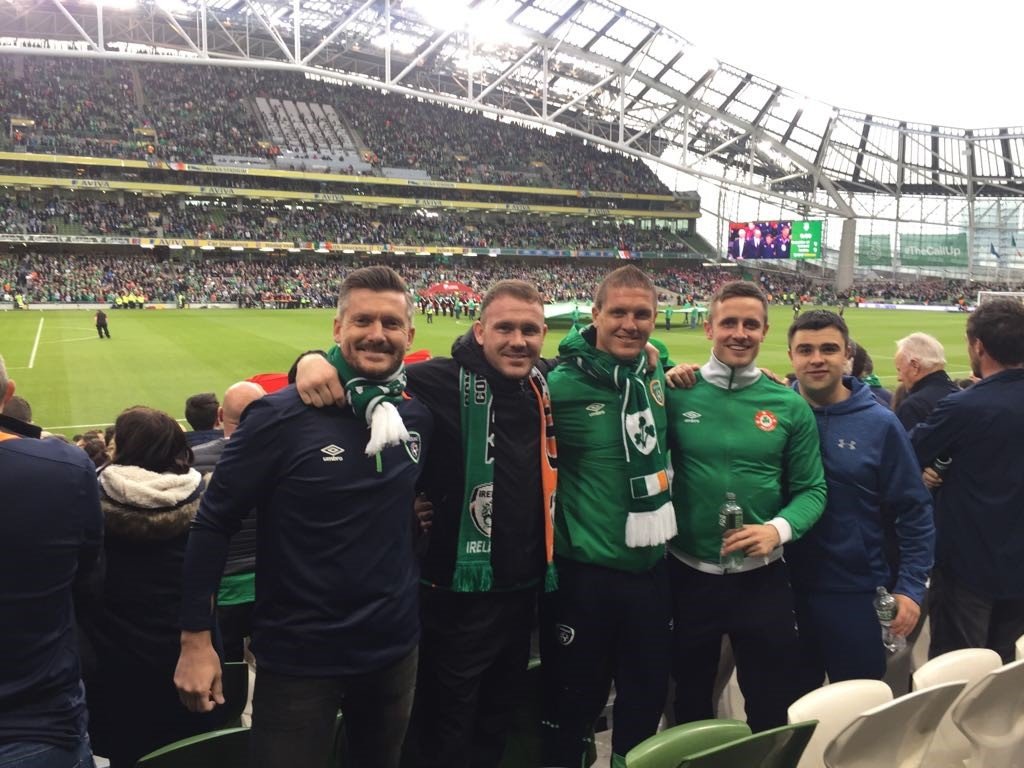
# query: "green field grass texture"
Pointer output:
{"type": "Point", "coordinates": [159, 358]}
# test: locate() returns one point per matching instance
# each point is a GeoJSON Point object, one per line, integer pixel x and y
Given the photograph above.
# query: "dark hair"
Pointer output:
{"type": "Point", "coordinates": [999, 326]}
{"type": "Point", "coordinates": [96, 451]}
{"type": "Point", "coordinates": [378, 279]}
{"type": "Point", "coordinates": [817, 320]}
{"type": "Point", "coordinates": [108, 434]}
{"type": "Point", "coordinates": [201, 411]}
{"type": "Point", "coordinates": [148, 438]}
{"type": "Point", "coordinates": [738, 289]}
{"type": "Point", "coordinates": [18, 408]}
{"type": "Point", "coordinates": [624, 277]}
{"type": "Point", "coordinates": [517, 289]}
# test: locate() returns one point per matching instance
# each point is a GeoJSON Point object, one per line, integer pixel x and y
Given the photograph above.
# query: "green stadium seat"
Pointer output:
{"type": "Point", "coordinates": [668, 748]}
{"type": "Point", "coordinates": [228, 748]}
{"type": "Point", "coordinates": [777, 748]}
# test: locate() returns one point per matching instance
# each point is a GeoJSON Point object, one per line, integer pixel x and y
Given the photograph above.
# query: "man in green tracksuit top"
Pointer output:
{"type": "Point", "coordinates": [738, 432]}
{"type": "Point", "coordinates": [610, 618]}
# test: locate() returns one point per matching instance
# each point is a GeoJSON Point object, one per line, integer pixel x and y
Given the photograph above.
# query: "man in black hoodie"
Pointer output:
{"type": "Point", "coordinates": [490, 479]}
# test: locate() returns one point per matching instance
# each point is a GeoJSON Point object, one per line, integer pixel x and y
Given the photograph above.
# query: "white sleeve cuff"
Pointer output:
{"type": "Point", "coordinates": [785, 530]}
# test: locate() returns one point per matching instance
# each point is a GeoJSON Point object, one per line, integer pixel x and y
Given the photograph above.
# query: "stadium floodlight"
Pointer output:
{"type": "Point", "coordinates": [347, 250]}
{"type": "Point", "coordinates": [175, 246]}
{"type": "Point", "coordinates": [237, 248]}
{"type": "Point", "coordinates": [294, 250]}
{"type": "Point", "coordinates": [206, 247]}
{"type": "Point", "coordinates": [267, 249]}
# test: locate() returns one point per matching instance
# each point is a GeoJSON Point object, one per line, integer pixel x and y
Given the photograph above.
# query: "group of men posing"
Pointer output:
{"type": "Point", "coordinates": [426, 619]}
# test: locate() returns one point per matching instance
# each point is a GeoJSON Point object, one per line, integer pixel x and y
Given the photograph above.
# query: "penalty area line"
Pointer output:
{"type": "Point", "coordinates": [35, 346]}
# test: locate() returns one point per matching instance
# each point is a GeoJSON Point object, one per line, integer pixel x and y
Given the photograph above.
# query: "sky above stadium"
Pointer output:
{"type": "Point", "coordinates": [916, 60]}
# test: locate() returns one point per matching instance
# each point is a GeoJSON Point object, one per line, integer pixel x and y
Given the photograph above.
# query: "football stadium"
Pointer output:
{"type": "Point", "coordinates": [628, 281]}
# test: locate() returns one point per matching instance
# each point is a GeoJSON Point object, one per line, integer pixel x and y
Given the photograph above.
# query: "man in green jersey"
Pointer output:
{"type": "Point", "coordinates": [610, 615]}
{"type": "Point", "coordinates": [738, 432]}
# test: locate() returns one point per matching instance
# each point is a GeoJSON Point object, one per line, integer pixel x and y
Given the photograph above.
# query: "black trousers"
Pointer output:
{"type": "Point", "coordinates": [235, 623]}
{"type": "Point", "coordinates": [293, 717]}
{"type": "Point", "coordinates": [103, 330]}
{"type": "Point", "coordinates": [473, 656]}
{"type": "Point", "coordinates": [755, 609]}
{"type": "Point", "coordinates": [961, 618]}
{"type": "Point", "coordinates": [605, 626]}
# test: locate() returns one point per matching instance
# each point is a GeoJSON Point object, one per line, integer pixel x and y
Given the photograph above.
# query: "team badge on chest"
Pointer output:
{"type": "Point", "coordinates": [766, 421]}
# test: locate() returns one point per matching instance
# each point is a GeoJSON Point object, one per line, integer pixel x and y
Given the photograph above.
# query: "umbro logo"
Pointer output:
{"type": "Point", "coordinates": [691, 417]}
{"type": "Point", "coordinates": [332, 453]}
{"type": "Point", "coordinates": [596, 409]}
{"type": "Point", "coordinates": [851, 444]}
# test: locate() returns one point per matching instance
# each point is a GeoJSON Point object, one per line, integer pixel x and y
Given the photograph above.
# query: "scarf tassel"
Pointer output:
{"type": "Point", "coordinates": [649, 529]}
{"type": "Point", "coordinates": [386, 428]}
{"type": "Point", "coordinates": [473, 577]}
{"type": "Point", "coordinates": [551, 578]}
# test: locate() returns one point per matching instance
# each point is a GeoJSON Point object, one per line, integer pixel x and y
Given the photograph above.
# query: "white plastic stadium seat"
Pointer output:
{"type": "Point", "coordinates": [991, 715]}
{"type": "Point", "coordinates": [834, 707]}
{"type": "Point", "coordinates": [894, 735]}
{"type": "Point", "coordinates": [950, 747]}
{"type": "Point", "coordinates": [1020, 648]}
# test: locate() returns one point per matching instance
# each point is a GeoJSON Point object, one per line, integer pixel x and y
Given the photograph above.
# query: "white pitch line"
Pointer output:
{"type": "Point", "coordinates": [35, 347]}
{"type": "Point", "coordinates": [62, 341]}
{"type": "Point", "coordinates": [98, 424]}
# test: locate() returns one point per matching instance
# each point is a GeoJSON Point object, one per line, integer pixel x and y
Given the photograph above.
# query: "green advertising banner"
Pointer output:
{"type": "Point", "coordinates": [874, 251]}
{"type": "Point", "coordinates": [933, 250]}
{"type": "Point", "coordinates": [806, 240]}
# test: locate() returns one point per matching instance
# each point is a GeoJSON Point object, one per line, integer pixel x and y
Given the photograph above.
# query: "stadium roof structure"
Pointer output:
{"type": "Point", "coordinates": [589, 67]}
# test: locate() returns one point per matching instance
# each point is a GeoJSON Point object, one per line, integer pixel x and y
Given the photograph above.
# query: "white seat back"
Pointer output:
{"type": "Point", "coordinates": [834, 707]}
{"type": "Point", "coordinates": [950, 747]}
{"type": "Point", "coordinates": [896, 734]}
{"type": "Point", "coordinates": [1020, 648]}
{"type": "Point", "coordinates": [991, 715]}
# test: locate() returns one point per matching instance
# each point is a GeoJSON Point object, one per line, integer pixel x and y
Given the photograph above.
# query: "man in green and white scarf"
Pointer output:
{"type": "Point", "coordinates": [613, 516]}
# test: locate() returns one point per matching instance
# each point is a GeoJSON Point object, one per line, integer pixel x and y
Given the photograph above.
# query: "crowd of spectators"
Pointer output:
{"type": "Point", "coordinates": [249, 281]}
{"type": "Point", "coordinates": [248, 220]}
{"type": "Point", "coordinates": [183, 113]}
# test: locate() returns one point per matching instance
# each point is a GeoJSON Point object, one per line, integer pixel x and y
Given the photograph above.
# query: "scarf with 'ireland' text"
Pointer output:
{"type": "Point", "coordinates": [374, 400]}
{"type": "Point", "coordinates": [473, 571]}
{"type": "Point", "coordinates": [651, 520]}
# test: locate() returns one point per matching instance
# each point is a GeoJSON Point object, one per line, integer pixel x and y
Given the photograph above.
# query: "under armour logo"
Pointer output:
{"type": "Point", "coordinates": [851, 444]}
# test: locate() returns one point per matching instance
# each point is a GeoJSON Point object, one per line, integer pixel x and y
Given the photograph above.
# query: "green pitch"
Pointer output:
{"type": "Point", "coordinates": [73, 380]}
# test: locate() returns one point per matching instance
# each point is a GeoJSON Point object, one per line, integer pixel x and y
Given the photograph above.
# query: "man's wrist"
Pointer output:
{"type": "Point", "coordinates": [196, 639]}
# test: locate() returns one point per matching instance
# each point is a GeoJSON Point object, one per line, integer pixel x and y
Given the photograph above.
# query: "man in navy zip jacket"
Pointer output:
{"type": "Point", "coordinates": [52, 536]}
{"type": "Point", "coordinates": [869, 465]}
{"type": "Point", "coordinates": [335, 623]}
{"type": "Point", "coordinates": [977, 590]}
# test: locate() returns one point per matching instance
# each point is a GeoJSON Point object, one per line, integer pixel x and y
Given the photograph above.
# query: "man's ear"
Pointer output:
{"type": "Point", "coordinates": [220, 416]}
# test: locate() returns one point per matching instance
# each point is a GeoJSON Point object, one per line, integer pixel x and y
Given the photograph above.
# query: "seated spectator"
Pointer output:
{"type": "Point", "coordinates": [202, 412]}
{"type": "Point", "coordinates": [18, 408]}
{"type": "Point", "coordinates": [149, 496]}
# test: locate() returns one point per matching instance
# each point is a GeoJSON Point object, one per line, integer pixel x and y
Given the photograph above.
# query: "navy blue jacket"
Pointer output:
{"type": "Point", "coordinates": [979, 511]}
{"type": "Point", "coordinates": [52, 535]}
{"type": "Point", "coordinates": [871, 472]}
{"type": "Point", "coordinates": [923, 397]}
{"type": "Point", "coordinates": [336, 577]}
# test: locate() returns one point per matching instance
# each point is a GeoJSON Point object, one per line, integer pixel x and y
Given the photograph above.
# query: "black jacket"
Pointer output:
{"type": "Point", "coordinates": [923, 397]}
{"type": "Point", "coordinates": [517, 534]}
{"type": "Point", "coordinates": [242, 550]}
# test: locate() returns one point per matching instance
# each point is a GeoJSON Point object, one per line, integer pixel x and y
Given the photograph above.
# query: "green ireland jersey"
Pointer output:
{"type": "Point", "coordinates": [593, 499]}
{"type": "Point", "coordinates": [740, 432]}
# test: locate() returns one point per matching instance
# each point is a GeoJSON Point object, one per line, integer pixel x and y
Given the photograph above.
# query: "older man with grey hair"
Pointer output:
{"type": "Point", "coordinates": [921, 368]}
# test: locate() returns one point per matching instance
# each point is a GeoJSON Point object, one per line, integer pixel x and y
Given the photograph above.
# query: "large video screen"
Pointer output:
{"type": "Point", "coordinates": [749, 240]}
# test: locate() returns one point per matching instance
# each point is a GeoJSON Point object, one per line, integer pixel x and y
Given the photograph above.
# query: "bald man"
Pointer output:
{"type": "Point", "coordinates": [238, 587]}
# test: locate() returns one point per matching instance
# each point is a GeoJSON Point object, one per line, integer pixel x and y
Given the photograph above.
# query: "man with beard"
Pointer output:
{"type": "Point", "coordinates": [976, 599]}
{"type": "Point", "coordinates": [490, 478]}
{"type": "Point", "coordinates": [335, 624]}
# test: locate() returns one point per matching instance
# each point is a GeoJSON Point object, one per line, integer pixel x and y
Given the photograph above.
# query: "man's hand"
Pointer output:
{"type": "Point", "coordinates": [682, 376]}
{"type": "Point", "coordinates": [753, 540]}
{"type": "Point", "coordinates": [771, 375]}
{"type": "Point", "coordinates": [317, 382]}
{"type": "Point", "coordinates": [424, 510]}
{"type": "Point", "coordinates": [906, 616]}
{"type": "Point", "coordinates": [931, 479]}
{"type": "Point", "coordinates": [198, 674]}
{"type": "Point", "coordinates": [653, 356]}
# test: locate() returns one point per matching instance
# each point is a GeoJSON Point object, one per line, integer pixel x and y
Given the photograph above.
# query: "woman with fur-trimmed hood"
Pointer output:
{"type": "Point", "coordinates": [149, 495]}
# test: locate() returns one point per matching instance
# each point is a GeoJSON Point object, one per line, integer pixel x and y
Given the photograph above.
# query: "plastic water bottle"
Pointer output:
{"type": "Point", "coordinates": [886, 608]}
{"type": "Point", "coordinates": [730, 517]}
{"type": "Point", "coordinates": [941, 465]}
